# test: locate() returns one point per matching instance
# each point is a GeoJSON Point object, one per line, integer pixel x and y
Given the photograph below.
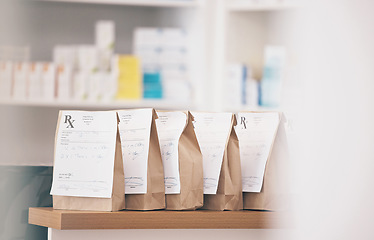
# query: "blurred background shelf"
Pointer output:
{"type": "Point", "coordinates": [144, 3]}
{"type": "Point", "coordinates": [221, 35]}
{"type": "Point", "coordinates": [248, 6]}
{"type": "Point", "coordinates": [143, 103]}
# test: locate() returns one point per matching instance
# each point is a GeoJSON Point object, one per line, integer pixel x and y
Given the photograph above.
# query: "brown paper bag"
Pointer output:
{"type": "Point", "coordinates": [229, 191]}
{"type": "Point", "coordinates": [190, 171]}
{"type": "Point", "coordinates": [274, 193]}
{"type": "Point", "coordinates": [115, 203]}
{"type": "Point", "coordinates": [155, 196]}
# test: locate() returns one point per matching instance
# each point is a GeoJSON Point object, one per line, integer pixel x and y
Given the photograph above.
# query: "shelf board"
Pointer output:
{"type": "Point", "coordinates": [245, 5]}
{"type": "Point", "coordinates": [144, 3]}
{"type": "Point", "coordinates": [118, 104]}
{"type": "Point", "coordinates": [200, 219]}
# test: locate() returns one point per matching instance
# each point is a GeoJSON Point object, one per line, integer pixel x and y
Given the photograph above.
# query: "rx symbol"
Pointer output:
{"type": "Point", "coordinates": [242, 121]}
{"type": "Point", "coordinates": [69, 121]}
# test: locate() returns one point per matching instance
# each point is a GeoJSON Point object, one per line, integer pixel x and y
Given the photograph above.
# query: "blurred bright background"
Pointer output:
{"type": "Point", "coordinates": [311, 59]}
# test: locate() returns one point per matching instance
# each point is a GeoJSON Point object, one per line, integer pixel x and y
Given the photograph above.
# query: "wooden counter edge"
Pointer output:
{"type": "Point", "coordinates": [45, 217]}
{"type": "Point", "coordinates": [69, 220]}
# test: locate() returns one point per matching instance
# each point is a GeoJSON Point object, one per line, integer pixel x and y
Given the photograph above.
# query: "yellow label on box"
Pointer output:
{"type": "Point", "coordinates": [129, 78]}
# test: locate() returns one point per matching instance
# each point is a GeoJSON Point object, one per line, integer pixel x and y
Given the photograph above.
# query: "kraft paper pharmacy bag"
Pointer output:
{"type": "Point", "coordinates": [183, 161]}
{"type": "Point", "coordinates": [273, 194]}
{"type": "Point", "coordinates": [228, 193]}
{"type": "Point", "coordinates": [143, 168]}
{"type": "Point", "coordinates": [88, 170]}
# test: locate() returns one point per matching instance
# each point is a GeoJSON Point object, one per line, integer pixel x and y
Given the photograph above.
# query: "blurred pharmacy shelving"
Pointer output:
{"type": "Point", "coordinates": [148, 3]}
{"type": "Point", "coordinates": [245, 5]}
{"type": "Point", "coordinates": [118, 104]}
{"type": "Point", "coordinates": [223, 32]}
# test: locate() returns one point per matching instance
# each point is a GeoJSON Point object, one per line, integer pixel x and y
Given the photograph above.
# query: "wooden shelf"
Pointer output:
{"type": "Point", "coordinates": [64, 220]}
{"type": "Point", "coordinates": [142, 103]}
{"type": "Point", "coordinates": [144, 3]}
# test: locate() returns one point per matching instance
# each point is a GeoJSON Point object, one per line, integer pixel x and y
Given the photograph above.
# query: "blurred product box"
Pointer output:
{"type": "Point", "coordinates": [80, 82]}
{"type": "Point", "coordinates": [242, 87]}
{"type": "Point", "coordinates": [64, 82]}
{"type": "Point", "coordinates": [95, 84]}
{"type": "Point", "coordinates": [109, 86]}
{"type": "Point", "coordinates": [21, 75]}
{"type": "Point", "coordinates": [176, 56]}
{"type": "Point", "coordinates": [252, 96]}
{"type": "Point", "coordinates": [88, 58]}
{"type": "Point", "coordinates": [177, 89]}
{"type": "Point", "coordinates": [152, 87]}
{"type": "Point", "coordinates": [271, 83]}
{"type": "Point", "coordinates": [35, 81]}
{"type": "Point", "coordinates": [165, 50]}
{"type": "Point", "coordinates": [147, 38]}
{"type": "Point", "coordinates": [127, 68]}
{"type": "Point", "coordinates": [105, 40]}
{"type": "Point", "coordinates": [235, 85]}
{"type": "Point", "coordinates": [49, 81]}
{"type": "Point", "coordinates": [6, 78]}
{"type": "Point", "coordinates": [105, 34]}
{"type": "Point", "coordinates": [66, 55]}
{"type": "Point", "coordinates": [174, 38]}
{"type": "Point", "coordinates": [85, 86]}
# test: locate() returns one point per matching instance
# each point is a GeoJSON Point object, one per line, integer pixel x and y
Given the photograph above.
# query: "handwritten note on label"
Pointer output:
{"type": "Point", "coordinates": [84, 155]}
{"type": "Point", "coordinates": [212, 132]}
{"type": "Point", "coordinates": [135, 132]}
{"type": "Point", "coordinates": [256, 132]}
{"type": "Point", "coordinates": [170, 126]}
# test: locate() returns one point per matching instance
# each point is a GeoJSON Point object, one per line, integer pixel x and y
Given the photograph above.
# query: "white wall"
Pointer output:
{"type": "Point", "coordinates": [335, 167]}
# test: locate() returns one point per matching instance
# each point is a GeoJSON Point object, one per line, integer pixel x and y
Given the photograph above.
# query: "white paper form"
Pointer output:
{"type": "Point", "coordinates": [212, 132]}
{"type": "Point", "coordinates": [84, 154]}
{"type": "Point", "coordinates": [170, 126]}
{"type": "Point", "coordinates": [256, 132]}
{"type": "Point", "coordinates": [135, 132]}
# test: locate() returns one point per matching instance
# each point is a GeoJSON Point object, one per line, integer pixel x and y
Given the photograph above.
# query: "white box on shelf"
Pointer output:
{"type": "Point", "coordinates": [105, 40]}
{"type": "Point", "coordinates": [104, 59]}
{"type": "Point", "coordinates": [80, 82]}
{"type": "Point", "coordinates": [105, 34]}
{"type": "Point", "coordinates": [109, 85]}
{"type": "Point", "coordinates": [21, 75]}
{"type": "Point", "coordinates": [147, 37]}
{"type": "Point", "coordinates": [94, 85]}
{"type": "Point", "coordinates": [6, 78]}
{"type": "Point", "coordinates": [65, 55]}
{"type": "Point", "coordinates": [235, 86]}
{"type": "Point", "coordinates": [35, 81]}
{"type": "Point", "coordinates": [165, 50]}
{"type": "Point", "coordinates": [88, 58]}
{"type": "Point", "coordinates": [174, 71]}
{"type": "Point", "coordinates": [150, 56]}
{"type": "Point", "coordinates": [173, 56]}
{"type": "Point", "coordinates": [49, 81]}
{"type": "Point", "coordinates": [174, 37]}
{"type": "Point", "coordinates": [64, 83]}
{"type": "Point", "coordinates": [252, 93]}
{"type": "Point", "coordinates": [271, 83]}
{"type": "Point", "coordinates": [179, 90]}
